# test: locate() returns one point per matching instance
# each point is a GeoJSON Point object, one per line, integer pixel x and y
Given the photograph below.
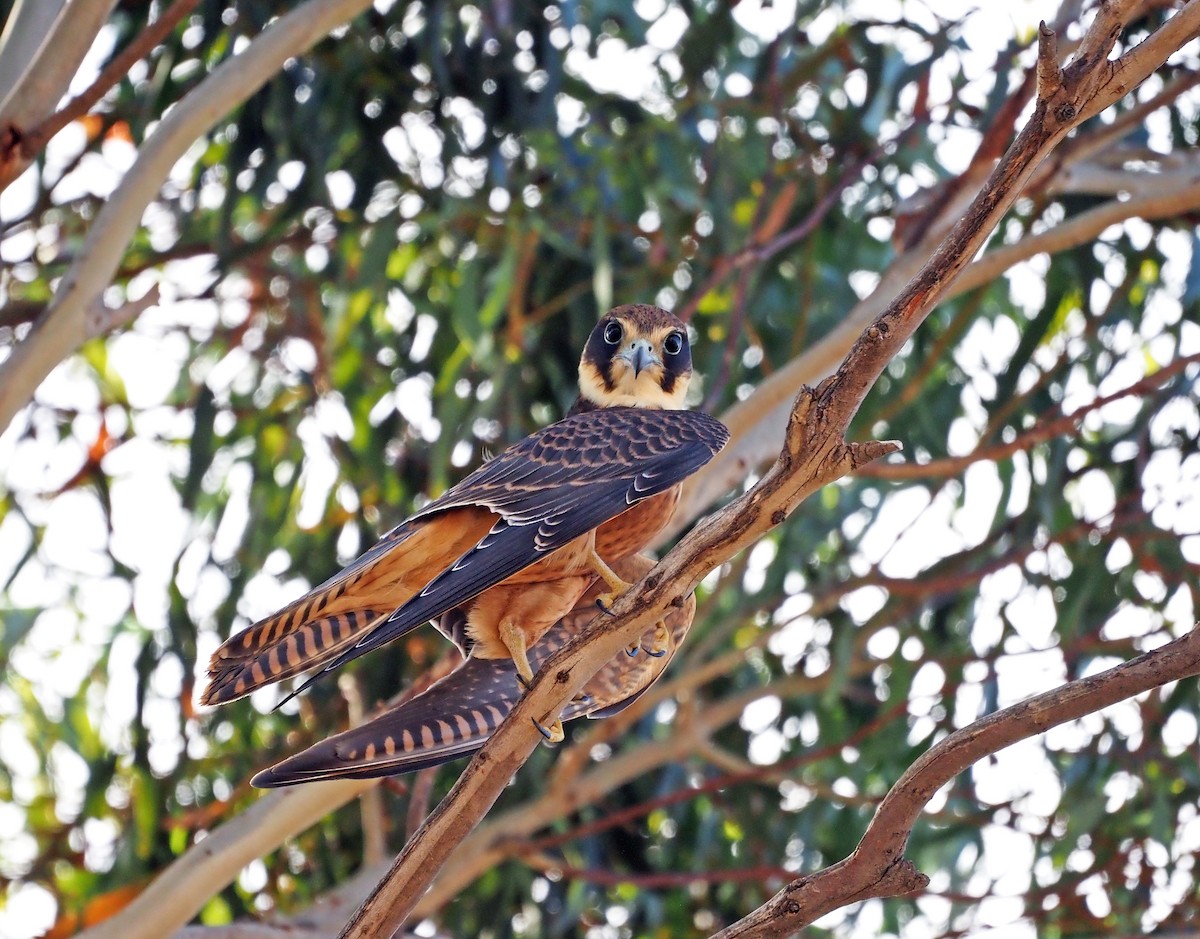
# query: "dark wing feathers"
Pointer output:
{"type": "Point", "coordinates": [609, 447]}
{"type": "Point", "coordinates": [550, 488]}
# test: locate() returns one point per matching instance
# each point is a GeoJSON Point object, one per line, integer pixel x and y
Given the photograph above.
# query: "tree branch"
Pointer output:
{"type": "Point", "coordinates": [1041, 432]}
{"type": "Point", "coordinates": [40, 52]}
{"type": "Point", "coordinates": [32, 141]}
{"type": "Point", "coordinates": [877, 867]}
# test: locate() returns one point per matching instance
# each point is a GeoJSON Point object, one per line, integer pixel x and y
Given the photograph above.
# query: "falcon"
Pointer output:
{"type": "Point", "coordinates": [509, 550]}
{"type": "Point", "coordinates": [457, 714]}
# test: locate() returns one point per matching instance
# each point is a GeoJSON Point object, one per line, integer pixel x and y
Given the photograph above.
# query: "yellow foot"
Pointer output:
{"type": "Point", "coordinates": [616, 586]}
{"type": "Point", "coordinates": [514, 641]}
{"type": "Point", "coordinates": [609, 576]}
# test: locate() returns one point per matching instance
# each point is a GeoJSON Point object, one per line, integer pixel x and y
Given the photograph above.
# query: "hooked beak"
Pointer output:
{"type": "Point", "coordinates": [640, 356]}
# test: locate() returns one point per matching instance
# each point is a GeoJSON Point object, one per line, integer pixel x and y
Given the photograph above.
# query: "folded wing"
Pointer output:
{"type": "Point", "coordinates": [535, 497]}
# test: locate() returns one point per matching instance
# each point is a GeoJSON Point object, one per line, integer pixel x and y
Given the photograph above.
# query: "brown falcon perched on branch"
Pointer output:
{"type": "Point", "coordinates": [510, 550]}
{"type": "Point", "coordinates": [456, 715]}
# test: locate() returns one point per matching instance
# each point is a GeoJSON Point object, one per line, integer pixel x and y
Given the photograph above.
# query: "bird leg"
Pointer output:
{"type": "Point", "coordinates": [616, 586]}
{"type": "Point", "coordinates": [661, 643]}
{"type": "Point", "coordinates": [514, 638]}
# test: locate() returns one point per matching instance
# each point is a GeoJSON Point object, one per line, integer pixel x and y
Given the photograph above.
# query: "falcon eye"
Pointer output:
{"type": "Point", "coordinates": [613, 333]}
{"type": "Point", "coordinates": [673, 344]}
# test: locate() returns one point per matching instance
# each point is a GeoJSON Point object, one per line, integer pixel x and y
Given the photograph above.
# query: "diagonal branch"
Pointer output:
{"type": "Point", "coordinates": [1041, 432]}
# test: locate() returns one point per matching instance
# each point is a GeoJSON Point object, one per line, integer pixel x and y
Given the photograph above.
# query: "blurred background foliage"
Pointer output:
{"type": "Point", "coordinates": [383, 267]}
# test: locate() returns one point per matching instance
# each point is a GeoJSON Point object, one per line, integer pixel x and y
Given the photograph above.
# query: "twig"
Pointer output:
{"type": "Point", "coordinates": [653, 880]}
{"type": "Point", "coordinates": [756, 252]}
{"type": "Point", "coordinates": [1041, 432]}
{"type": "Point", "coordinates": [713, 720]}
{"type": "Point", "coordinates": [102, 319]}
{"type": "Point", "coordinates": [371, 803]}
{"type": "Point", "coordinates": [418, 800]}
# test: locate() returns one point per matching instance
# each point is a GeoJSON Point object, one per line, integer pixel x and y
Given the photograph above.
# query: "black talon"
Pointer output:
{"type": "Point", "coordinates": [541, 729]}
{"type": "Point", "coordinates": [631, 651]}
{"type": "Point", "coordinates": [658, 655]}
{"type": "Point", "coordinates": [603, 608]}
{"type": "Point", "coordinates": [523, 682]}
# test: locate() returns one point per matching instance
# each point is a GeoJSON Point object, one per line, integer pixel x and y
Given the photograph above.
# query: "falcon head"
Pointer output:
{"type": "Point", "coordinates": [637, 356]}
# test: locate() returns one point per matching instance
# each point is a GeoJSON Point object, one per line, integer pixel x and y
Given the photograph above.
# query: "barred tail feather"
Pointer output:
{"type": "Point", "coordinates": [453, 717]}
{"type": "Point", "coordinates": [238, 667]}
{"type": "Point", "coordinates": [314, 629]}
{"type": "Point", "coordinates": [458, 713]}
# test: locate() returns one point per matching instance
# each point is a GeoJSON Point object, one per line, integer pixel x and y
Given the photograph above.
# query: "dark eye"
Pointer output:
{"type": "Point", "coordinates": [673, 344]}
{"type": "Point", "coordinates": [613, 333]}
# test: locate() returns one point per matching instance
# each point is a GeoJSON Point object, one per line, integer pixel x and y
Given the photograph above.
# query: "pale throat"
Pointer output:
{"type": "Point", "coordinates": [642, 391]}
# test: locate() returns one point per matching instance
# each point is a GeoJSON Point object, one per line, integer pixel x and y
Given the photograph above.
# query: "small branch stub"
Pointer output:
{"type": "Point", "coordinates": [905, 879]}
{"type": "Point", "coordinates": [1049, 73]}
{"type": "Point", "coordinates": [868, 451]}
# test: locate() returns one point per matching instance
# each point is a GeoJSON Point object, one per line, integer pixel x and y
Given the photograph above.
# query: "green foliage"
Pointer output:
{"type": "Point", "coordinates": [391, 256]}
